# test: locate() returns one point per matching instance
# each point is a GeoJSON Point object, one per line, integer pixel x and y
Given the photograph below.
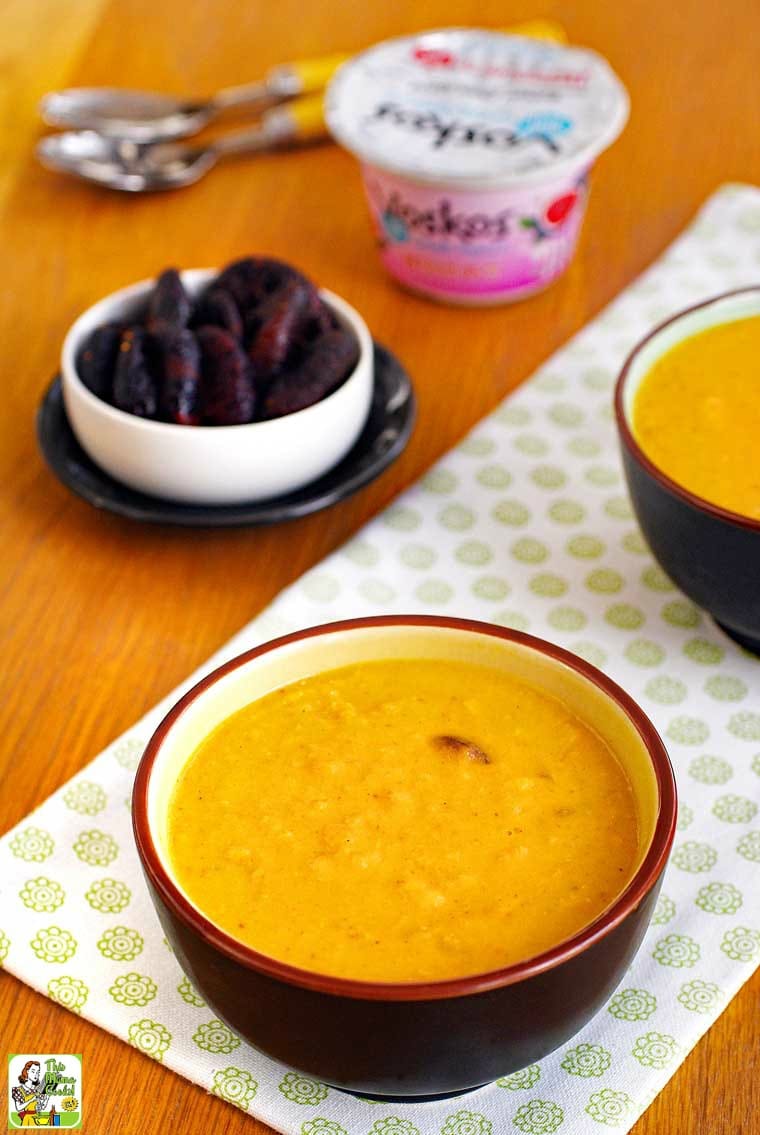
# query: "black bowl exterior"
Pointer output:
{"type": "Point", "coordinates": [410, 1048]}
{"type": "Point", "coordinates": [713, 560]}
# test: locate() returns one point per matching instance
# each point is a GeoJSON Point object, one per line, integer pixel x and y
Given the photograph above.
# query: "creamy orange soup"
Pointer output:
{"type": "Point", "coordinates": [696, 415]}
{"type": "Point", "coordinates": [403, 820]}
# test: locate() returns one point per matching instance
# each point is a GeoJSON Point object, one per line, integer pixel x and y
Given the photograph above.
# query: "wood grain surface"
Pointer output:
{"type": "Point", "coordinates": [100, 617]}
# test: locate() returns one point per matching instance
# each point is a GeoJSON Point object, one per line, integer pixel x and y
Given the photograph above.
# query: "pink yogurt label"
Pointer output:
{"type": "Point", "coordinates": [472, 245]}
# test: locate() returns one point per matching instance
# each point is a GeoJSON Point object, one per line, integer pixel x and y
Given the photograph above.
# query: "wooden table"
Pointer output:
{"type": "Point", "coordinates": [100, 617]}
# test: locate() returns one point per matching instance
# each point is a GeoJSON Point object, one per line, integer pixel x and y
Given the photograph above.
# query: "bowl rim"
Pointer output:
{"type": "Point", "coordinates": [199, 276]}
{"type": "Point", "coordinates": [625, 431]}
{"type": "Point", "coordinates": [637, 889]}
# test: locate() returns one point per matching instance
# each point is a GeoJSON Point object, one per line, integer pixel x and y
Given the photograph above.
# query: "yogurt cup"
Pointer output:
{"type": "Point", "coordinates": [475, 148]}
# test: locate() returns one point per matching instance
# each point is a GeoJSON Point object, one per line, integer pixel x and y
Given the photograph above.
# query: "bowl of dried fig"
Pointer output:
{"type": "Point", "coordinates": [218, 388]}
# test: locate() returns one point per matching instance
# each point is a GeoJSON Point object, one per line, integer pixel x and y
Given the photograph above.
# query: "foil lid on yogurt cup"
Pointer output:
{"type": "Point", "coordinates": [476, 107]}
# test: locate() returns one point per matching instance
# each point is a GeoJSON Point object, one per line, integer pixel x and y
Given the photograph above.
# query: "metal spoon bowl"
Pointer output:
{"type": "Point", "coordinates": [141, 116]}
{"type": "Point", "coordinates": [148, 116]}
{"type": "Point", "coordinates": [124, 165]}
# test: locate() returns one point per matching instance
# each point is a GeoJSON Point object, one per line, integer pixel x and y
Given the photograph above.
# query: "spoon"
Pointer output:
{"type": "Point", "coordinates": [144, 116]}
{"type": "Point", "coordinates": [135, 167]}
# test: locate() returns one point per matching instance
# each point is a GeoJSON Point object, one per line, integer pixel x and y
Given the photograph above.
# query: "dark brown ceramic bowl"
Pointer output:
{"type": "Point", "coordinates": [713, 554]}
{"type": "Point", "coordinates": [407, 1040]}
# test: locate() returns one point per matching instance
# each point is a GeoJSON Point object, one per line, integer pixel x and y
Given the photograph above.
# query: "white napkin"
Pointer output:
{"type": "Point", "coordinates": [526, 523]}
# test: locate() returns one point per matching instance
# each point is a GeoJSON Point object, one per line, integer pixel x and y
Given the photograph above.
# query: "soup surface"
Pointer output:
{"type": "Point", "coordinates": [696, 415]}
{"type": "Point", "coordinates": [403, 820]}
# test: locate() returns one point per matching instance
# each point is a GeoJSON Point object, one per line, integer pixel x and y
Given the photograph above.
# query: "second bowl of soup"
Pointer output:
{"type": "Point", "coordinates": [405, 855]}
{"type": "Point", "coordinates": [688, 414]}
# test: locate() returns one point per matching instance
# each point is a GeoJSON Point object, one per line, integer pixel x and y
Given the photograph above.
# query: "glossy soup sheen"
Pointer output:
{"type": "Point", "coordinates": [403, 821]}
{"type": "Point", "coordinates": [696, 415]}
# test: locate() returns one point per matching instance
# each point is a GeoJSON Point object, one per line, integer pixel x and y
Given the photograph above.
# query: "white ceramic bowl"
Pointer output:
{"type": "Point", "coordinates": [214, 465]}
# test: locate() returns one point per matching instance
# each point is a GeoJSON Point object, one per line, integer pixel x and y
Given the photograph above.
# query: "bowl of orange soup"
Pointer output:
{"type": "Point", "coordinates": [408, 854]}
{"type": "Point", "coordinates": [688, 413]}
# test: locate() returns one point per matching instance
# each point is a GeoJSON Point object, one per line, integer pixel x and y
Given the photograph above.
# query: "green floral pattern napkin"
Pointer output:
{"type": "Point", "coordinates": [527, 524]}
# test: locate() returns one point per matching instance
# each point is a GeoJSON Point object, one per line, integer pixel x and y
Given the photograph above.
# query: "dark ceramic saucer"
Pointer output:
{"type": "Point", "coordinates": [384, 437]}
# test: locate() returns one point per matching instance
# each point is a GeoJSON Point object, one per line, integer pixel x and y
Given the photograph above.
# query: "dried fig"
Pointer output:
{"type": "Point", "coordinates": [460, 747]}
{"type": "Point", "coordinates": [280, 323]}
{"type": "Point", "coordinates": [97, 360]}
{"type": "Point", "coordinates": [134, 387]}
{"type": "Point", "coordinates": [227, 391]}
{"type": "Point", "coordinates": [178, 358]}
{"type": "Point", "coordinates": [253, 280]}
{"type": "Point", "coordinates": [329, 361]}
{"type": "Point", "coordinates": [217, 308]}
{"type": "Point", "coordinates": [169, 304]}
{"type": "Point", "coordinates": [319, 321]}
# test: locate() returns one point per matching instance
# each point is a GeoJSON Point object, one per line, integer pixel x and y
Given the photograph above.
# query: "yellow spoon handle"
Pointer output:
{"type": "Point", "coordinates": [549, 30]}
{"type": "Point", "coordinates": [303, 118]}
{"type": "Point", "coordinates": [306, 76]}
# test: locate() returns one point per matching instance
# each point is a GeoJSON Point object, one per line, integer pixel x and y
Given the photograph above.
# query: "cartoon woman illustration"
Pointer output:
{"type": "Point", "coordinates": [30, 1098]}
